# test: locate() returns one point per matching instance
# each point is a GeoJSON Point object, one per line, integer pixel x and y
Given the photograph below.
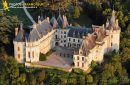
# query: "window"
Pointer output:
{"type": "Point", "coordinates": [65, 36]}
{"type": "Point", "coordinates": [64, 40]}
{"type": "Point", "coordinates": [111, 44]}
{"type": "Point", "coordinates": [18, 56]}
{"type": "Point", "coordinates": [77, 63]}
{"type": "Point", "coordinates": [80, 52]}
{"type": "Point", "coordinates": [18, 48]}
{"type": "Point", "coordinates": [111, 36]}
{"type": "Point", "coordinates": [69, 39]}
{"type": "Point", "coordinates": [64, 55]}
{"type": "Point", "coordinates": [60, 54]}
{"type": "Point", "coordinates": [33, 54]}
{"type": "Point", "coordinates": [28, 54]}
{"type": "Point", "coordinates": [56, 36]}
{"type": "Point", "coordinates": [61, 36]}
{"type": "Point", "coordinates": [82, 58]}
{"type": "Point", "coordinates": [82, 64]}
{"type": "Point", "coordinates": [68, 55]}
{"type": "Point", "coordinates": [73, 40]}
{"type": "Point", "coordinates": [64, 32]}
{"type": "Point", "coordinates": [77, 57]}
{"type": "Point", "coordinates": [64, 45]}
{"type": "Point", "coordinates": [61, 41]}
{"type": "Point", "coordinates": [78, 40]}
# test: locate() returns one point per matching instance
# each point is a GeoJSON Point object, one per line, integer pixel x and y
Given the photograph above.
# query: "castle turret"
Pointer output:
{"type": "Point", "coordinates": [112, 20]}
{"type": "Point", "coordinates": [114, 32]}
{"type": "Point", "coordinates": [16, 31]}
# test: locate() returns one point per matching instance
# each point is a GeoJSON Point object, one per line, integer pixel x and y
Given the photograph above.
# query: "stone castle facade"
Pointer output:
{"type": "Point", "coordinates": [88, 44]}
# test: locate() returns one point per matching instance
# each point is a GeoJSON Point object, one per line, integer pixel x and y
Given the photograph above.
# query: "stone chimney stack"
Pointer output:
{"type": "Point", "coordinates": [117, 24]}
{"type": "Point", "coordinates": [39, 21]}
{"type": "Point", "coordinates": [16, 31]}
{"type": "Point", "coordinates": [48, 19]}
{"type": "Point", "coordinates": [21, 26]}
{"type": "Point", "coordinates": [107, 23]}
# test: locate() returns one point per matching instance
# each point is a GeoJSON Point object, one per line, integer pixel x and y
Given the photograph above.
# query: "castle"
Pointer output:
{"type": "Point", "coordinates": [88, 44]}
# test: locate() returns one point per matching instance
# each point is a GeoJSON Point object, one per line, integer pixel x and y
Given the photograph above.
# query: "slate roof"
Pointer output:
{"type": "Point", "coordinates": [78, 32]}
{"type": "Point", "coordinates": [53, 22]}
{"type": "Point", "coordinates": [20, 36]}
{"type": "Point", "coordinates": [59, 20]}
{"type": "Point", "coordinates": [40, 30]}
{"type": "Point", "coordinates": [88, 44]}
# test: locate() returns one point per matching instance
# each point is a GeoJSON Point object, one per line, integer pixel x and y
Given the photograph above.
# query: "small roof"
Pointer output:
{"type": "Point", "coordinates": [39, 31]}
{"type": "Point", "coordinates": [53, 22]}
{"type": "Point", "coordinates": [20, 36]}
{"type": "Point", "coordinates": [60, 20]}
{"type": "Point", "coordinates": [78, 31]}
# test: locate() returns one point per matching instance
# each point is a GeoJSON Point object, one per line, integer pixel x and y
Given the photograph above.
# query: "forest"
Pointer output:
{"type": "Point", "coordinates": [115, 69]}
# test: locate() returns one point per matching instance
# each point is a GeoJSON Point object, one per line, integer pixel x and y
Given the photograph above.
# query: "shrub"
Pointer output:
{"type": "Point", "coordinates": [42, 57]}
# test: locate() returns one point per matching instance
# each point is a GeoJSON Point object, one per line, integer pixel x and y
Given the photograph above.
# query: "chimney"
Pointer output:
{"type": "Point", "coordinates": [21, 26]}
{"type": "Point", "coordinates": [39, 21]}
{"type": "Point", "coordinates": [48, 19]}
{"type": "Point", "coordinates": [117, 23]}
{"type": "Point", "coordinates": [16, 31]}
{"type": "Point", "coordinates": [107, 23]}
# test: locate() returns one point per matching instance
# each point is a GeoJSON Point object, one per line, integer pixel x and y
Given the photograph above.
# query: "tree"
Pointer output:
{"type": "Point", "coordinates": [40, 76]}
{"type": "Point", "coordinates": [76, 13]}
{"type": "Point", "coordinates": [89, 79]}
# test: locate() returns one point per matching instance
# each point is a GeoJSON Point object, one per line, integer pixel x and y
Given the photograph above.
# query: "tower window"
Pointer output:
{"type": "Point", "coordinates": [82, 58]}
{"type": "Point", "coordinates": [18, 48]}
{"type": "Point", "coordinates": [111, 44]}
{"type": "Point", "coordinates": [77, 57]}
{"type": "Point", "coordinates": [33, 54]}
{"type": "Point", "coordinates": [82, 64]}
{"type": "Point", "coordinates": [18, 56]}
{"type": "Point", "coordinates": [77, 63]}
{"type": "Point", "coordinates": [28, 54]}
